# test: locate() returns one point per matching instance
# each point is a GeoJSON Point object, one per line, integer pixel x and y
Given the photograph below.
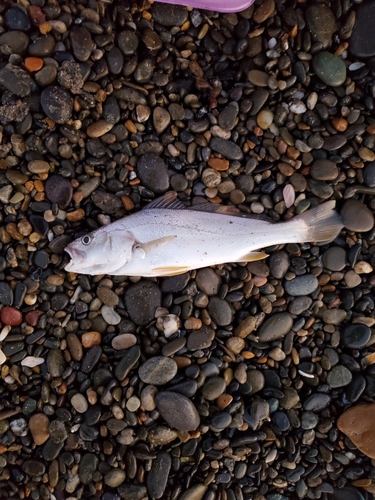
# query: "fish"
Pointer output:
{"type": "Point", "coordinates": [167, 238]}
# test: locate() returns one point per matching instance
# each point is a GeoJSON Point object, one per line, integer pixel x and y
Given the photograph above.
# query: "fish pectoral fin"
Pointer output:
{"type": "Point", "coordinates": [151, 245]}
{"type": "Point", "coordinates": [252, 256]}
{"type": "Point", "coordinates": [170, 270]}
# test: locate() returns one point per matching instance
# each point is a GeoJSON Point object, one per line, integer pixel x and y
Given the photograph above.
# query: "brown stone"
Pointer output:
{"type": "Point", "coordinates": [39, 425]}
{"type": "Point", "coordinates": [263, 12]}
{"type": "Point", "coordinates": [358, 424]}
{"type": "Point", "coordinates": [91, 338]}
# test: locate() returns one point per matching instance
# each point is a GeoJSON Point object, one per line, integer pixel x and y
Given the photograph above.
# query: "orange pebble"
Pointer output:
{"type": "Point", "coordinates": [33, 63]}
{"type": "Point", "coordinates": [45, 28]}
{"type": "Point", "coordinates": [218, 164]}
{"type": "Point", "coordinates": [131, 127]}
{"type": "Point", "coordinates": [247, 354]}
{"type": "Point", "coordinates": [90, 339]}
{"type": "Point", "coordinates": [127, 202]}
{"type": "Point", "coordinates": [340, 124]}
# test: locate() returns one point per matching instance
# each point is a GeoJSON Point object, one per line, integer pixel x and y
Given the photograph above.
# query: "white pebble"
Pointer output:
{"type": "Point", "coordinates": [272, 42]}
{"type": "Point", "coordinates": [168, 324]}
{"type": "Point", "coordinates": [298, 107]}
{"type": "Point", "coordinates": [32, 361]}
{"type": "Point", "coordinates": [265, 119]}
{"type": "Point", "coordinates": [110, 316]}
{"type": "Point", "coordinates": [3, 358]}
{"type": "Point", "coordinates": [104, 219]}
{"type": "Point", "coordinates": [307, 375]}
{"type": "Point", "coordinates": [4, 332]}
{"type": "Point", "coordinates": [312, 100]}
{"type": "Point", "coordinates": [133, 404]}
{"type": "Point", "coordinates": [356, 65]}
{"type": "Point", "coordinates": [257, 208]}
{"type": "Point", "coordinates": [161, 311]}
{"type": "Point", "coordinates": [79, 403]}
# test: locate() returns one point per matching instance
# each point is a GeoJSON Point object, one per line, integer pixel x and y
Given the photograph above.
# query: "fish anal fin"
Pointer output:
{"type": "Point", "coordinates": [253, 256]}
{"type": "Point", "coordinates": [170, 270]}
{"type": "Point", "coordinates": [167, 201]}
{"type": "Point", "coordinates": [151, 245]}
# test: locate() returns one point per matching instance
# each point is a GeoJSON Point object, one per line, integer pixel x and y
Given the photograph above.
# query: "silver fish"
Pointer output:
{"type": "Point", "coordinates": [166, 238]}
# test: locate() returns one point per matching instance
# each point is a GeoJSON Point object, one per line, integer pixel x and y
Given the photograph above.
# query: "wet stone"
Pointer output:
{"type": "Point", "coordinates": [213, 388]}
{"type": "Point", "coordinates": [16, 80]}
{"type": "Point", "coordinates": [324, 170]}
{"type": "Point", "coordinates": [208, 281]}
{"type": "Point", "coordinates": [334, 259]}
{"type": "Point", "coordinates": [279, 264]}
{"type": "Point", "coordinates": [158, 476]}
{"type": "Point", "coordinates": [87, 467]}
{"type": "Point", "coordinates": [355, 388]}
{"type": "Point", "coordinates": [6, 294]}
{"type": "Point", "coordinates": [59, 190]}
{"type": "Point", "coordinates": [153, 173]}
{"type": "Point", "coordinates": [178, 411]}
{"type": "Point", "coordinates": [369, 174]}
{"type": "Point", "coordinates": [175, 283]}
{"type": "Point", "coordinates": [11, 316]}
{"type": "Point", "coordinates": [302, 285]}
{"type": "Point", "coordinates": [55, 362]}
{"type": "Point", "coordinates": [57, 104]}
{"type": "Point", "coordinates": [200, 339]}
{"type": "Point", "coordinates": [128, 42]}
{"type": "Point", "coordinates": [275, 327]}
{"type": "Point", "coordinates": [358, 424]}
{"type": "Point", "coordinates": [227, 117]}
{"type": "Point", "coordinates": [339, 376]}
{"type": "Point", "coordinates": [16, 18]}
{"type": "Point", "coordinates": [330, 68]}
{"type": "Point", "coordinates": [82, 43]}
{"type": "Point", "coordinates": [17, 41]}
{"type": "Point", "coordinates": [107, 202]}
{"type": "Point", "coordinates": [317, 402]}
{"type": "Point", "coordinates": [169, 15]}
{"type": "Point", "coordinates": [362, 41]}
{"type": "Point", "coordinates": [127, 362]}
{"type": "Point", "coordinates": [57, 431]}
{"type": "Point", "coordinates": [356, 216]}
{"type": "Point", "coordinates": [158, 370]}
{"type": "Point", "coordinates": [141, 301]}
{"type": "Point", "coordinates": [42, 46]}
{"type": "Point", "coordinates": [33, 467]}
{"type": "Point", "coordinates": [355, 336]}
{"type": "Point", "coordinates": [114, 478]}
{"type": "Point", "coordinates": [321, 22]}
{"type": "Point", "coordinates": [228, 149]}
{"type": "Point", "coordinates": [107, 296]}
{"type": "Point", "coordinates": [220, 311]}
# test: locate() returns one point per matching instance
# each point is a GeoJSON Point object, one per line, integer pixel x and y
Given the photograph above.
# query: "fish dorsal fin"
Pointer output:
{"type": "Point", "coordinates": [216, 209]}
{"type": "Point", "coordinates": [168, 200]}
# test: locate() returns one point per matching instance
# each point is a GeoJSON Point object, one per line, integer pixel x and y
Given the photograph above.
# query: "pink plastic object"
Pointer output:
{"type": "Point", "coordinates": [214, 5]}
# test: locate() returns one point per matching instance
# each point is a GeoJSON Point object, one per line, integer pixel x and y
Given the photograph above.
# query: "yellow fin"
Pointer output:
{"type": "Point", "coordinates": [252, 256]}
{"type": "Point", "coordinates": [170, 271]}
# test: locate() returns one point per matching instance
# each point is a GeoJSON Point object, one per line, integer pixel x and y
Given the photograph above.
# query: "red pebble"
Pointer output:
{"type": "Point", "coordinates": [10, 316]}
{"type": "Point", "coordinates": [32, 317]}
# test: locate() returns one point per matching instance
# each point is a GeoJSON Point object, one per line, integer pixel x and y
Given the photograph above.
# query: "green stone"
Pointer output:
{"type": "Point", "coordinates": [329, 68]}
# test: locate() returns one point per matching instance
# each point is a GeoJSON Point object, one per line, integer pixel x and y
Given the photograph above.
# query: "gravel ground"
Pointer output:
{"type": "Point", "coordinates": [224, 383]}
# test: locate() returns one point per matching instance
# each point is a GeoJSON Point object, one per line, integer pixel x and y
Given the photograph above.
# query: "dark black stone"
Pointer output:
{"type": "Point", "coordinates": [16, 18]}
{"type": "Point", "coordinates": [356, 336]}
{"type": "Point", "coordinates": [362, 42]}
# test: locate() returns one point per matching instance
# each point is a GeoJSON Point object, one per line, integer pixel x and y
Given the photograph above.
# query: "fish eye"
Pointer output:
{"type": "Point", "coordinates": [86, 240]}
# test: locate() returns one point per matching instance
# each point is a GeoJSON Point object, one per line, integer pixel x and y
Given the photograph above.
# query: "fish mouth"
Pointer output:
{"type": "Point", "coordinates": [75, 255]}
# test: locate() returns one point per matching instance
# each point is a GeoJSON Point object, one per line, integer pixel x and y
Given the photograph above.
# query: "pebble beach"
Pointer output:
{"type": "Point", "coordinates": [248, 381]}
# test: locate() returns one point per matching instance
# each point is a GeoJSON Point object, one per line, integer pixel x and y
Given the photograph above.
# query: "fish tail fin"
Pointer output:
{"type": "Point", "coordinates": [321, 223]}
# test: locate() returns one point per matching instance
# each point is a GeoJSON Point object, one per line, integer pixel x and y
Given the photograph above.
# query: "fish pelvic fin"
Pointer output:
{"type": "Point", "coordinates": [321, 223]}
{"type": "Point", "coordinates": [253, 256]}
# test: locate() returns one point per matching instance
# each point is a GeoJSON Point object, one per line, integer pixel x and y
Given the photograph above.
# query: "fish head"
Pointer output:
{"type": "Point", "coordinates": [100, 252]}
